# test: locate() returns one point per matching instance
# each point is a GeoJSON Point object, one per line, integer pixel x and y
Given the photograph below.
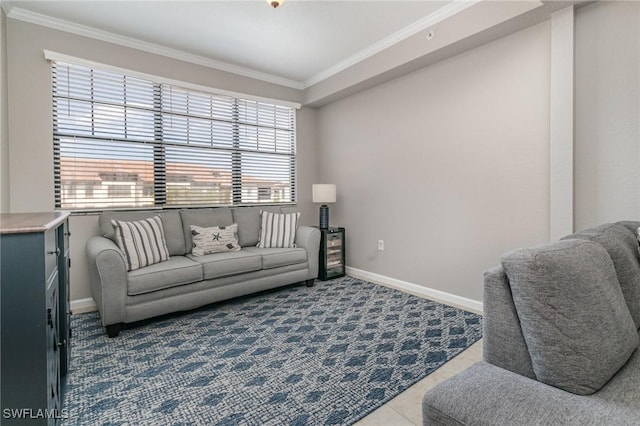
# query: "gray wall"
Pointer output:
{"type": "Point", "coordinates": [607, 120]}
{"type": "Point", "coordinates": [30, 141]}
{"type": "Point", "coordinates": [4, 136]}
{"type": "Point", "coordinates": [448, 165]}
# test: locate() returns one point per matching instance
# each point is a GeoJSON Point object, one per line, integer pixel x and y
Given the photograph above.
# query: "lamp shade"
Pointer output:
{"type": "Point", "coordinates": [323, 193]}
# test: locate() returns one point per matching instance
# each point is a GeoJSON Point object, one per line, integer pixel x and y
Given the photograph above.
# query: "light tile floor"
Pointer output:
{"type": "Point", "coordinates": [406, 408]}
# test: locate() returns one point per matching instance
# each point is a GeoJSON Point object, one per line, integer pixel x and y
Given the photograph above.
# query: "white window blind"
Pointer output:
{"type": "Point", "coordinates": [125, 142]}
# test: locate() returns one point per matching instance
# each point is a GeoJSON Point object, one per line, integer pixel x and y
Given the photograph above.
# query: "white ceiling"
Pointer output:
{"type": "Point", "coordinates": [301, 42]}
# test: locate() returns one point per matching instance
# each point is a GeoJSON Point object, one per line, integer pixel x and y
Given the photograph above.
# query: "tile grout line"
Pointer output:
{"type": "Point", "coordinates": [403, 416]}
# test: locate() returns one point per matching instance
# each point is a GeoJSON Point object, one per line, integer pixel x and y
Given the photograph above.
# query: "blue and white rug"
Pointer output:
{"type": "Point", "coordinates": [324, 355]}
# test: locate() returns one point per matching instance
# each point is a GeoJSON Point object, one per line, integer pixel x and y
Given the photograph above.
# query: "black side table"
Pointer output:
{"type": "Point", "coordinates": [332, 254]}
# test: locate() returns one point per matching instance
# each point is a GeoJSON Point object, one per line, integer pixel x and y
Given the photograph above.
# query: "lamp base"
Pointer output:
{"type": "Point", "coordinates": [324, 216]}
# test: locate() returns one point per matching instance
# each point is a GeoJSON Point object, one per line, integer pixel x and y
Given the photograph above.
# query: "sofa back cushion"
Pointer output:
{"type": "Point", "coordinates": [248, 220]}
{"type": "Point", "coordinates": [622, 245]}
{"type": "Point", "coordinates": [204, 218]}
{"type": "Point", "coordinates": [171, 222]}
{"type": "Point", "coordinates": [576, 324]}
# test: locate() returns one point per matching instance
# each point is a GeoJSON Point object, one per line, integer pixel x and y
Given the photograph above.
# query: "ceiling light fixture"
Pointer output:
{"type": "Point", "coordinates": [275, 3]}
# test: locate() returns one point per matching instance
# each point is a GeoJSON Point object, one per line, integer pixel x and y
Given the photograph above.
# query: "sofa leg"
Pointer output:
{"type": "Point", "coordinates": [310, 282]}
{"type": "Point", "coordinates": [114, 329]}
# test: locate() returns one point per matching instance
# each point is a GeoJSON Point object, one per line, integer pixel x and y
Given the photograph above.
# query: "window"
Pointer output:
{"type": "Point", "coordinates": [140, 143]}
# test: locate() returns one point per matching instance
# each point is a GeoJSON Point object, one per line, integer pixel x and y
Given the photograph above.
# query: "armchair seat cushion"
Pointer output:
{"type": "Point", "coordinates": [178, 270]}
{"type": "Point", "coordinates": [276, 257]}
{"type": "Point", "coordinates": [486, 394]}
{"type": "Point", "coordinates": [225, 264]}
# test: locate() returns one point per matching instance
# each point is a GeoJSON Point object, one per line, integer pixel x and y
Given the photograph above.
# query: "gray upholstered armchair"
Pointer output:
{"type": "Point", "coordinates": [560, 338]}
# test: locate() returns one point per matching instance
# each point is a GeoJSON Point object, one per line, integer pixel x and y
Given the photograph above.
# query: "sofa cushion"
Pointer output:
{"type": "Point", "coordinates": [622, 245]}
{"type": "Point", "coordinates": [205, 218]}
{"type": "Point", "coordinates": [574, 318]}
{"type": "Point", "coordinates": [248, 220]}
{"type": "Point", "coordinates": [141, 241]}
{"type": "Point", "coordinates": [278, 230]}
{"type": "Point", "coordinates": [217, 239]}
{"type": "Point", "coordinates": [276, 257]}
{"type": "Point", "coordinates": [171, 221]}
{"type": "Point", "coordinates": [231, 263]}
{"type": "Point", "coordinates": [178, 270]}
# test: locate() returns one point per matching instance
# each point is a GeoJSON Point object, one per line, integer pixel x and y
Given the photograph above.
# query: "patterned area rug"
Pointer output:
{"type": "Point", "coordinates": [325, 355]}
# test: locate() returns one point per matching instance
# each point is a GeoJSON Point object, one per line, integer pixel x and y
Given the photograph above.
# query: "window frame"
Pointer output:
{"type": "Point", "coordinates": [160, 183]}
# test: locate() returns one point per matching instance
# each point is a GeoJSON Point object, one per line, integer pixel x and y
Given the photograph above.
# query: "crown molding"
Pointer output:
{"type": "Point", "coordinates": [428, 21]}
{"type": "Point", "coordinates": [432, 19]}
{"type": "Point", "coordinates": [83, 30]}
{"type": "Point", "coordinates": [6, 6]}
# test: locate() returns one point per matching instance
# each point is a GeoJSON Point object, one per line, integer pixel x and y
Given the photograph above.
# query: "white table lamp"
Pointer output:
{"type": "Point", "coordinates": [324, 193]}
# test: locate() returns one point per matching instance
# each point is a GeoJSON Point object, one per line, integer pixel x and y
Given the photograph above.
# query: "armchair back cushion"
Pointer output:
{"type": "Point", "coordinates": [575, 322]}
{"type": "Point", "coordinates": [622, 245]}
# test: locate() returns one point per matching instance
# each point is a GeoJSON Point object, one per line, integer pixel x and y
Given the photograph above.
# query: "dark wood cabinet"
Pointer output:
{"type": "Point", "coordinates": [332, 254]}
{"type": "Point", "coordinates": [35, 313]}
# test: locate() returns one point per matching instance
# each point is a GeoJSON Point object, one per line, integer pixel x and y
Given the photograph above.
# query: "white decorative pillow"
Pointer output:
{"type": "Point", "coordinates": [278, 230]}
{"type": "Point", "coordinates": [216, 239]}
{"type": "Point", "coordinates": [142, 242]}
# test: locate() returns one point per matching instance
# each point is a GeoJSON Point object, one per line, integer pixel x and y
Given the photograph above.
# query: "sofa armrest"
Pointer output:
{"type": "Point", "coordinates": [108, 279]}
{"type": "Point", "coordinates": [485, 394]}
{"type": "Point", "coordinates": [308, 238]}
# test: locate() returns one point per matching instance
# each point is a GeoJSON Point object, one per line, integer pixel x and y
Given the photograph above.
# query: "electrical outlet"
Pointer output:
{"type": "Point", "coordinates": [380, 245]}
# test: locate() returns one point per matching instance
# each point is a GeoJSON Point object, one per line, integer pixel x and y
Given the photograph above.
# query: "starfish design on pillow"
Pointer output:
{"type": "Point", "coordinates": [216, 237]}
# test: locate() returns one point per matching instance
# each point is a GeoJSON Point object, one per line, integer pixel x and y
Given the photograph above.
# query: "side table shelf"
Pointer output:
{"type": "Point", "coordinates": [332, 254]}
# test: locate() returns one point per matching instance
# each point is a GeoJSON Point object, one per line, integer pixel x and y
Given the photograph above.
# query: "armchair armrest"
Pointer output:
{"type": "Point", "coordinates": [308, 238]}
{"type": "Point", "coordinates": [485, 394]}
{"type": "Point", "coordinates": [108, 279]}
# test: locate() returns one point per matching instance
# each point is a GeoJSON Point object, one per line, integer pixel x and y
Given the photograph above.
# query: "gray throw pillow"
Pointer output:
{"type": "Point", "coordinates": [622, 245]}
{"type": "Point", "coordinates": [574, 319]}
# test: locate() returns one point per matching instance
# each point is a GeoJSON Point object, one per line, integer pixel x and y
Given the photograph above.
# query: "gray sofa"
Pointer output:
{"type": "Point", "coordinates": [560, 338]}
{"type": "Point", "coordinates": [185, 281]}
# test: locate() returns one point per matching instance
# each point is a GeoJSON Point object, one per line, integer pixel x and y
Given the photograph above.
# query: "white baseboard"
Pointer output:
{"type": "Point", "coordinates": [89, 305]}
{"type": "Point", "coordinates": [83, 305]}
{"type": "Point", "coordinates": [418, 290]}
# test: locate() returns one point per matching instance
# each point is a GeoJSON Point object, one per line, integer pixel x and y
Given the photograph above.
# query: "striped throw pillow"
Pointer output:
{"type": "Point", "coordinates": [278, 230]}
{"type": "Point", "coordinates": [142, 242]}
